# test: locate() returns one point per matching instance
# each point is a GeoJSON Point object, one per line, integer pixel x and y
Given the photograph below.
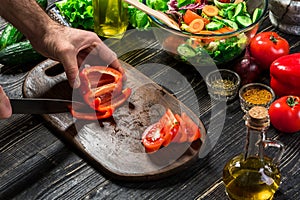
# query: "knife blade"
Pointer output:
{"type": "Point", "coordinates": [42, 106]}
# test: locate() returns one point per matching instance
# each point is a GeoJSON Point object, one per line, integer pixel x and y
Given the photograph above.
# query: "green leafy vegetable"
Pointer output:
{"type": "Point", "coordinates": [161, 5]}
{"type": "Point", "coordinates": [219, 50]}
{"type": "Point", "coordinates": [137, 18]}
{"type": "Point", "coordinates": [78, 12]}
{"type": "Point", "coordinates": [185, 2]}
{"type": "Point", "coordinates": [140, 20]}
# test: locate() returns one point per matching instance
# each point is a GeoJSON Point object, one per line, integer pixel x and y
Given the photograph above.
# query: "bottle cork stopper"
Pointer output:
{"type": "Point", "coordinates": [258, 112]}
{"type": "Point", "coordinates": [258, 117]}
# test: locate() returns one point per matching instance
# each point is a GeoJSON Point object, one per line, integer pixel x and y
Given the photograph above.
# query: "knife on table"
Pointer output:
{"type": "Point", "coordinates": [42, 106]}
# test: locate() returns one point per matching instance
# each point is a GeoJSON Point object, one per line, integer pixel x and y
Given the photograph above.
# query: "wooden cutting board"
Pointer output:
{"type": "Point", "coordinates": [114, 145]}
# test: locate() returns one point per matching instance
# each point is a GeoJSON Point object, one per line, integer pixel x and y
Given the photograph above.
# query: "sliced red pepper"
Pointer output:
{"type": "Point", "coordinates": [91, 116]}
{"type": "Point", "coordinates": [115, 102]}
{"type": "Point", "coordinates": [102, 91]}
{"type": "Point", "coordinates": [100, 82]}
{"type": "Point", "coordinates": [102, 94]}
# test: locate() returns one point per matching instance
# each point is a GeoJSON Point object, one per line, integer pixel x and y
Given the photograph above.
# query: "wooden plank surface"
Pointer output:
{"type": "Point", "coordinates": [114, 145]}
{"type": "Point", "coordinates": [36, 164]}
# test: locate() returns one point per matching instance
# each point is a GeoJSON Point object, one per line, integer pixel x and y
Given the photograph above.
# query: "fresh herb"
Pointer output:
{"type": "Point", "coordinates": [79, 13]}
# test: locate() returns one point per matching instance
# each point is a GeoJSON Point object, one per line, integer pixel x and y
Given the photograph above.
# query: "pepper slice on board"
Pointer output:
{"type": "Point", "coordinates": [100, 84]}
{"type": "Point", "coordinates": [101, 88]}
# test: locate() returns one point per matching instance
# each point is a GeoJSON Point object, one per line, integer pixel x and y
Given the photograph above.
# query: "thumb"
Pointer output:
{"type": "Point", "coordinates": [5, 107]}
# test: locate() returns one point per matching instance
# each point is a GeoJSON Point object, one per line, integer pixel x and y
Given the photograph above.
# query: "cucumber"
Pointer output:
{"type": "Point", "coordinates": [243, 21]}
{"type": "Point", "coordinates": [256, 14]}
{"type": "Point", "coordinates": [212, 26]}
{"type": "Point", "coordinates": [20, 53]}
{"type": "Point", "coordinates": [238, 10]}
{"type": "Point", "coordinates": [230, 23]}
{"type": "Point", "coordinates": [9, 36]}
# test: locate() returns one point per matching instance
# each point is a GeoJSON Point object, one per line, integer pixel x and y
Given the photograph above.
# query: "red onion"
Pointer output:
{"type": "Point", "coordinates": [247, 68]}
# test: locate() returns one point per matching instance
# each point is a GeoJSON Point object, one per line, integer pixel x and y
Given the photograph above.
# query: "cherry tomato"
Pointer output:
{"type": "Point", "coordinates": [285, 114]}
{"type": "Point", "coordinates": [266, 47]}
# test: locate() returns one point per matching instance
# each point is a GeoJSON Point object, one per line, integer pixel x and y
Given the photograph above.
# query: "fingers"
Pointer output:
{"type": "Point", "coordinates": [117, 65]}
{"type": "Point", "coordinates": [71, 68]}
{"type": "Point", "coordinates": [5, 107]}
{"type": "Point", "coordinates": [108, 56]}
{"type": "Point", "coordinates": [88, 53]}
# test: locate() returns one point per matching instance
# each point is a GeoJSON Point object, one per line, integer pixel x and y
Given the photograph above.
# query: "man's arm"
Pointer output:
{"type": "Point", "coordinates": [68, 45]}
{"type": "Point", "coordinates": [20, 14]}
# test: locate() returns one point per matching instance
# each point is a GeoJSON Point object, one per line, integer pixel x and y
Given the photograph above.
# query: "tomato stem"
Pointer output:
{"type": "Point", "coordinates": [273, 39]}
{"type": "Point", "coordinates": [292, 101]}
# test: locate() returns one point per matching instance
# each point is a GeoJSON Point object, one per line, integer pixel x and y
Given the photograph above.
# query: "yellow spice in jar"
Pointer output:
{"type": "Point", "coordinates": [257, 96]}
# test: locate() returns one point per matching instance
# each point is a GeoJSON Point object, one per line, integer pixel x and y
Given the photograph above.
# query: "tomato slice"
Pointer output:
{"type": "Point", "coordinates": [152, 138]}
{"type": "Point", "coordinates": [190, 128]}
{"type": "Point", "coordinates": [170, 126]}
{"type": "Point", "coordinates": [180, 136]}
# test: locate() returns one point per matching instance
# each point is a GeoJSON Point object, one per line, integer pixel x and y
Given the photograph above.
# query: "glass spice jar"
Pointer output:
{"type": "Point", "coordinates": [223, 84]}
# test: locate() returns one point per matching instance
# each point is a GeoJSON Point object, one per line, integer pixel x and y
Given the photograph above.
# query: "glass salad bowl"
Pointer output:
{"type": "Point", "coordinates": [223, 37]}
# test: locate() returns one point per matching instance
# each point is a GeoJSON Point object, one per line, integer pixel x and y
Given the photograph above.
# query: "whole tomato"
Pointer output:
{"type": "Point", "coordinates": [266, 47]}
{"type": "Point", "coordinates": [285, 114]}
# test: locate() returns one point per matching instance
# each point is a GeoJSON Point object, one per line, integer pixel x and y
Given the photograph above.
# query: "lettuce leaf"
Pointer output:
{"type": "Point", "coordinates": [138, 19]}
{"type": "Point", "coordinates": [79, 13]}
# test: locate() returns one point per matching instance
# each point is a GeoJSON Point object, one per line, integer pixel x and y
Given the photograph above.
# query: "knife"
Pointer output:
{"type": "Point", "coordinates": [43, 106]}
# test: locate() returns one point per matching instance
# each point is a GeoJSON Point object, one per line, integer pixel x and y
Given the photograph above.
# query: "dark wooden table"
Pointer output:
{"type": "Point", "coordinates": [36, 164]}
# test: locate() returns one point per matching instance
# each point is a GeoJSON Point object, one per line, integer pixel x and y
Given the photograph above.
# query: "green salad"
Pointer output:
{"type": "Point", "coordinates": [193, 16]}
{"type": "Point", "coordinates": [207, 17]}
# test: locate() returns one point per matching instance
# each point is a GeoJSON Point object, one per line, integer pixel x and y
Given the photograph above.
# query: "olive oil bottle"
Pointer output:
{"type": "Point", "coordinates": [110, 18]}
{"type": "Point", "coordinates": [252, 175]}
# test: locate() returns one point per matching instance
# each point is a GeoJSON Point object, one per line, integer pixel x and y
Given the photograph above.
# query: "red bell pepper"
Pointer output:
{"type": "Point", "coordinates": [101, 88]}
{"type": "Point", "coordinates": [91, 116]}
{"type": "Point", "coordinates": [285, 75]}
{"type": "Point", "coordinates": [99, 84]}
